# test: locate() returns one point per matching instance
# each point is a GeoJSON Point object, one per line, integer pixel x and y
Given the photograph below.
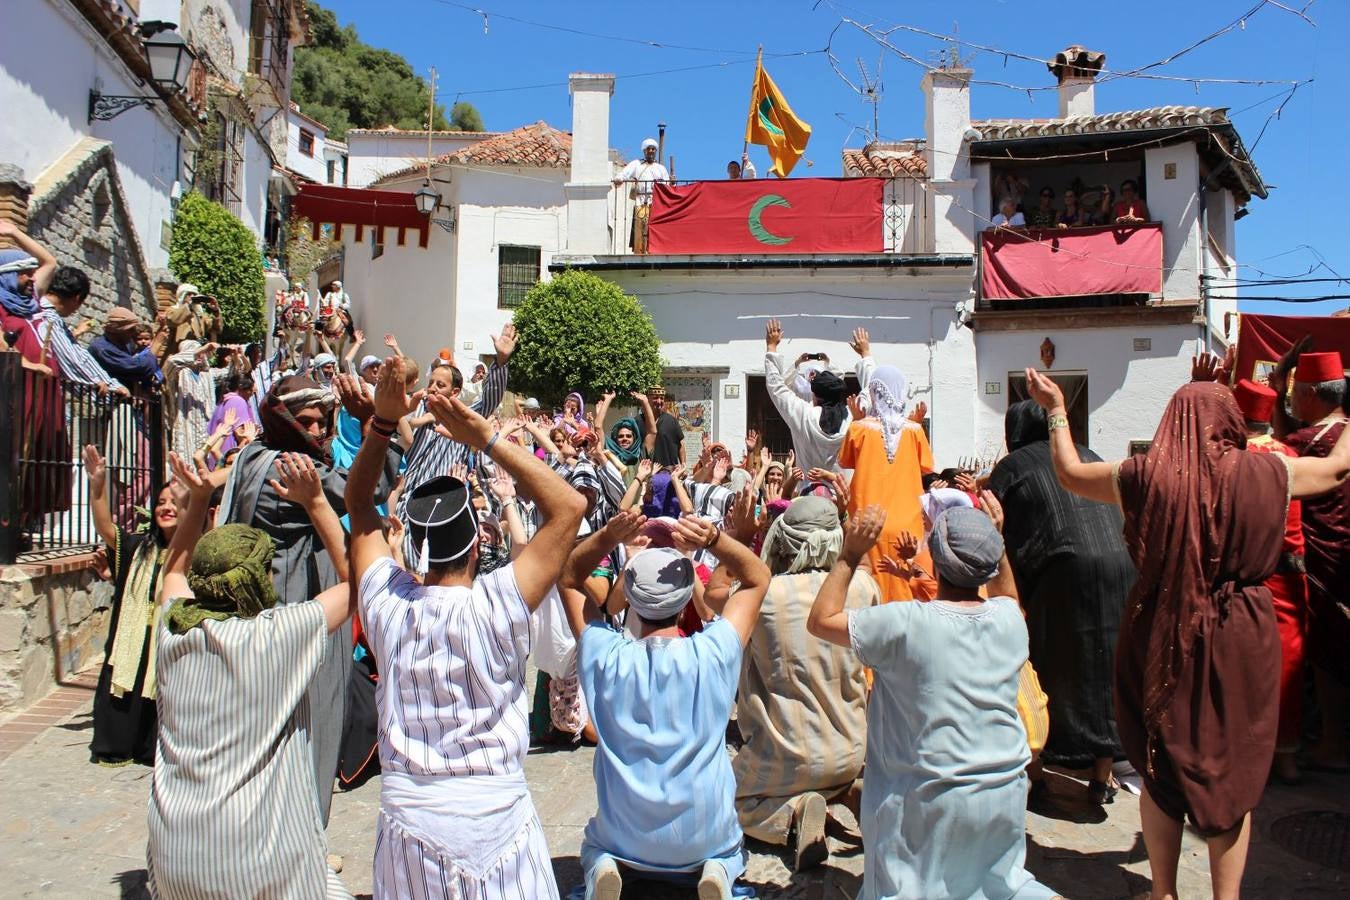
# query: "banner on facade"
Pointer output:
{"type": "Point", "coordinates": [362, 208]}
{"type": "Point", "coordinates": [804, 215]}
{"type": "Point", "coordinates": [1071, 262]}
{"type": "Point", "coordinates": [1262, 340]}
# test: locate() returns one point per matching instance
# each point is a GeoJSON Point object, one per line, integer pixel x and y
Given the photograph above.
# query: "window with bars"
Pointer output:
{"type": "Point", "coordinates": [517, 272]}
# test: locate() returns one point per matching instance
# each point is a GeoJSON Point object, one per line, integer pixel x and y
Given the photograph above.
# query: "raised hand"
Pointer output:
{"type": "Point", "coordinates": [299, 481]}
{"type": "Point", "coordinates": [919, 412]}
{"type": "Point", "coordinates": [861, 533]}
{"type": "Point", "coordinates": [459, 472]}
{"type": "Point", "coordinates": [391, 342]}
{"type": "Point", "coordinates": [505, 343]}
{"type": "Point", "coordinates": [644, 469]}
{"type": "Point", "coordinates": [989, 505]}
{"type": "Point", "coordinates": [245, 433]}
{"type": "Point", "coordinates": [720, 468]}
{"type": "Point", "coordinates": [692, 534]}
{"type": "Point", "coordinates": [95, 470]}
{"type": "Point", "coordinates": [607, 397]}
{"type": "Point", "coordinates": [351, 393]}
{"type": "Point", "coordinates": [1205, 367]}
{"type": "Point", "coordinates": [391, 403]}
{"type": "Point", "coordinates": [861, 342]}
{"type": "Point", "coordinates": [358, 336]}
{"type": "Point", "coordinates": [460, 422]}
{"type": "Point", "coordinates": [773, 335]}
{"type": "Point", "coordinates": [625, 526]}
{"type": "Point", "coordinates": [231, 417]}
{"type": "Point", "coordinates": [1044, 391]}
{"type": "Point", "coordinates": [966, 483]}
{"type": "Point", "coordinates": [503, 486]}
{"type": "Point", "coordinates": [677, 472]}
{"type": "Point", "coordinates": [640, 397]}
{"type": "Point", "coordinates": [194, 477]}
{"type": "Point", "coordinates": [906, 546]}
{"type": "Point", "coordinates": [742, 521]}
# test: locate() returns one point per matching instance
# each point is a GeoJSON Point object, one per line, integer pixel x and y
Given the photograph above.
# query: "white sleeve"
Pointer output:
{"type": "Point", "coordinates": [796, 412]}
{"type": "Point", "coordinates": [748, 170]}
{"type": "Point", "coordinates": [864, 369]}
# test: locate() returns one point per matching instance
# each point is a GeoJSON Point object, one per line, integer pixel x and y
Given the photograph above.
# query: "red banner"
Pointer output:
{"type": "Point", "coordinates": [1071, 262]}
{"type": "Point", "coordinates": [1262, 340]}
{"type": "Point", "coordinates": [326, 204]}
{"type": "Point", "coordinates": [790, 215]}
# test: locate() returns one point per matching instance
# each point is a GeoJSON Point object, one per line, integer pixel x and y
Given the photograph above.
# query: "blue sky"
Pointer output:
{"type": "Point", "coordinates": [1302, 154]}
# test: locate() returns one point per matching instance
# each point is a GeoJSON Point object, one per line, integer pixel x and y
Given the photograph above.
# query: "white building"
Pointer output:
{"type": "Point", "coordinates": [1119, 353]}
{"type": "Point", "coordinates": [310, 153]}
{"type": "Point", "coordinates": [374, 153]}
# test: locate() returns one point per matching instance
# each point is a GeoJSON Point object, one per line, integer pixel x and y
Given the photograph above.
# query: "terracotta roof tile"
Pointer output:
{"type": "Point", "coordinates": [538, 146]}
{"type": "Point", "coordinates": [1128, 120]}
{"type": "Point", "coordinates": [894, 160]}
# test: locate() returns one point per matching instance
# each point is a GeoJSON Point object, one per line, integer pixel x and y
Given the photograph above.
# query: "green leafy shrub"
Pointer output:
{"type": "Point", "coordinates": [216, 252]}
{"type": "Point", "coordinates": [580, 332]}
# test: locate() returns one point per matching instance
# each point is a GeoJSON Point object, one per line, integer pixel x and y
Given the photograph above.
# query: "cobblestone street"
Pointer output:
{"type": "Point", "coordinates": [73, 829]}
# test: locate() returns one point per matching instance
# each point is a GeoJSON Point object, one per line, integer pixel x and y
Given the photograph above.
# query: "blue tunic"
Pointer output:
{"type": "Point", "coordinates": [944, 799]}
{"type": "Point", "coordinates": [662, 772]}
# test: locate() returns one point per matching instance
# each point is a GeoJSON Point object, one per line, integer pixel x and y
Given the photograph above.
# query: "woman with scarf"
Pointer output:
{"type": "Point", "coordinates": [818, 426]}
{"type": "Point", "coordinates": [1198, 663]}
{"type": "Point", "coordinates": [238, 400]}
{"type": "Point", "coordinates": [626, 443]}
{"type": "Point", "coordinates": [124, 701]}
{"type": "Point", "coordinates": [889, 455]}
{"type": "Point", "coordinates": [296, 418]}
{"type": "Point", "coordinates": [235, 767]}
{"type": "Point", "coordinates": [1073, 574]}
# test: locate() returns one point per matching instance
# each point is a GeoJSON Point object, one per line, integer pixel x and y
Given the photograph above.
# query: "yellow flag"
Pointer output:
{"type": "Point", "coordinates": [772, 123]}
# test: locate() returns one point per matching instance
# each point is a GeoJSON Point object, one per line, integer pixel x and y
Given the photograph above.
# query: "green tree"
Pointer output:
{"type": "Point", "coordinates": [346, 83]}
{"type": "Point", "coordinates": [559, 321]}
{"type": "Point", "coordinates": [215, 251]}
{"type": "Point", "coordinates": [465, 117]}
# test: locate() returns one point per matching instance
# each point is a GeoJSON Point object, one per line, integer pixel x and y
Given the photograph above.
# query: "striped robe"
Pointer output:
{"type": "Point", "coordinates": [232, 800]}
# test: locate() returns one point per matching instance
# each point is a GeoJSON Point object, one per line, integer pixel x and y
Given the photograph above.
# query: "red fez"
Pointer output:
{"type": "Point", "coordinates": [1256, 401]}
{"type": "Point", "coordinates": [1315, 368]}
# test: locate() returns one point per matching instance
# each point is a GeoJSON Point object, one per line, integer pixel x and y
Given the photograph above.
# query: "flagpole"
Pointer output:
{"type": "Point", "coordinates": [754, 84]}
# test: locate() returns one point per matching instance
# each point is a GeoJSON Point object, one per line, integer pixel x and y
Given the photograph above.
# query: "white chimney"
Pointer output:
{"type": "Point", "coordinates": [1076, 69]}
{"type": "Point", "coordinates": [951, 190]}
{"type": "Point", "coordinates": [590, 180]}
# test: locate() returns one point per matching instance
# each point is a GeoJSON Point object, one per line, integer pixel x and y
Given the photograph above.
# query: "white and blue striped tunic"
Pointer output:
{"type": "Point", "coordinates": [456, 819]}
{"type": "Point", "coordinates": [232, 808]}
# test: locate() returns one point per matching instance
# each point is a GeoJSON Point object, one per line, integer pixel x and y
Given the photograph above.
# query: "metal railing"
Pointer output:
{"type": "Point", "coordinates": [44, 425]}
{"type": "Point", "coordinates": [907, 227]}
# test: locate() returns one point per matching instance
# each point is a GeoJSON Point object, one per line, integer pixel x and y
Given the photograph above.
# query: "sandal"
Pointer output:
{"type": "Point", "coordinates": [1102, 792]}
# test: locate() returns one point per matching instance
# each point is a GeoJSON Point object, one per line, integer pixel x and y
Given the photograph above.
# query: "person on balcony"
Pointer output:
{"type": "Point", "coordinates": [741, 170]}
{"type": "Point", "coordinates": [25, 273]}
{"type": "Point", "coordinates": [642, 174]}
{"type": "Point", "coordinates": [1073, 215]}
{"type": "Point", "coordinates": [1008, 216]}
{"type": "Point", "coordinates": [66, 293]}
{"type": "Point", "coordinates": [1044, 215]}
{"type": "Point", "coordinates": [1131, 208]}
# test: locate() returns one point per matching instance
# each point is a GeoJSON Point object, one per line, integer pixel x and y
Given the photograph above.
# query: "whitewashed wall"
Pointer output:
{"type": "Point", "coordinates": [314, 166]}
{"type": "Point", "coordinates": [373, 154]}
{"type": "Point", "coordinates": [45, 79]}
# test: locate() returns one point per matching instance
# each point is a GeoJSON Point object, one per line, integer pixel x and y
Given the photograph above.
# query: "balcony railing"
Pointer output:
{"type": "Point", "coordinates": [1096, 261]}
{"type": "Point", "coordinates": [904, 222]}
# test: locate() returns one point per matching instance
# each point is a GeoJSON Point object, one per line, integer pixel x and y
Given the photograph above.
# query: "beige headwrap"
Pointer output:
{"type": "Point", "coordinates": [121, 325]}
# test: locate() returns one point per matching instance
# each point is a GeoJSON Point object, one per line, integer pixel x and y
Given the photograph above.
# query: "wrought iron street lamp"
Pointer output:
{"type": "Point", "coordinates": [170, 59]}
{"type": "Point", "coordinates": [427, 199]}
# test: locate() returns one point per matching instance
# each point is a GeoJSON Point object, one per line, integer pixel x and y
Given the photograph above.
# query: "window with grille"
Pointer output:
{"type": "Point", "coordinates": [517, 272]}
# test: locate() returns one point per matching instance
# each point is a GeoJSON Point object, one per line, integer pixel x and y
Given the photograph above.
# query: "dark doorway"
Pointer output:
{"type": "Point", "coordinates": [762, 415]}
{"type": "Point", "coordinates": [1075, 388]}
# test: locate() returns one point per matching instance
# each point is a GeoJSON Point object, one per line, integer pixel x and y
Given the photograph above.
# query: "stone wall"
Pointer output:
{"type": "Point", "coordinates": [53, 622]}
{"type": "Point", "coordinates": [78, 211]}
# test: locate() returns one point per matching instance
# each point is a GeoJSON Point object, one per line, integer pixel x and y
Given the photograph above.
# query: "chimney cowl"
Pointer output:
{"type": "Point", "coordinates": [1076, 62]}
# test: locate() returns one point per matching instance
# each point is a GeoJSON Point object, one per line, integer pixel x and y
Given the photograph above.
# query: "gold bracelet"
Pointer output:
{"type": "Point", "coordinates": [1054, 422]}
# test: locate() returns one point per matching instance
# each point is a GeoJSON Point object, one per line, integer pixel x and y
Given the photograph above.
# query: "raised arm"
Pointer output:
{"type": "Point", "coordinates": [681, 492]}
{"type": "Point", "coordinates": [1092, 480]}
{"type": "Point", "coordinates": [197, 480]}
{"type": "Point", "coordinates": [633, 495]}
{"type": "Point", "coordinates": [796, 412]}
{"type": "Point", "coordinates": [300, 483]}
{"type": "Point", "coordinates": [42, 278]}
{"type": "Point", "coordinates": [602, 410]}
{"type": "Point", "coordinates": [560, 507]}
{"type": "Point", "coordinates": [368, 543]}
{"type": "Point", "coordinates": [588, 553]}
{"type": "Point", "coordinates": [648, 422]}
{"type": "Point", "coordinates": [1310, 476]}
{"type": "Point", "coordinates": [828, 620]}
{"type": "Point", "coordinates": [741, 564]}
{"type": "Point", "coordinates": [96, 472]}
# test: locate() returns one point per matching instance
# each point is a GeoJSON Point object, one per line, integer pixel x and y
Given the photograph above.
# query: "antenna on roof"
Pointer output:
{"type": "Point", "coordinates": [871, 91]}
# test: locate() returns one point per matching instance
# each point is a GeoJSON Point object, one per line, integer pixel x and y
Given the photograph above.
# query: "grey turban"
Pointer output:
{"type": "Point", "coordinates": [658, 582]}
{"type": "Point", "coordinates": [966, 547]}
{"type": "Point", "coordinates": [805, 538]}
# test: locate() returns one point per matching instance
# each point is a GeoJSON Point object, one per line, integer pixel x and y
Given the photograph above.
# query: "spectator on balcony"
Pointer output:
{"type": "Point", "coordinates": [642, 174]}
{"type": "Point", "coordinates": [1008, 216]}
{"type": "Point", "coordinates": [1073, 215]}
{"type": "Point", "coordinates": [743, 169]}
{"type": "Point", "coordinates": [1102, 211]}
{"type": "Point", "coordinates": [65, 295]}
{"type": "Point", "coordinates": [1014, 186]}
{"type": "Point", "coordinates": [120, 351]}
{"type": "Point", "coordinates": [1044, 215]}
{"type": "Point", "coordinates": [1131, 207]}
{"type": "Point", "coordinates": [25, 273]}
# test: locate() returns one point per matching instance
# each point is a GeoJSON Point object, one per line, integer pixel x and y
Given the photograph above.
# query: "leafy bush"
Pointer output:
{"type": "Point", "coordinates": [216, 252]}
{"type": "Point", "coordinates": [580, 332]}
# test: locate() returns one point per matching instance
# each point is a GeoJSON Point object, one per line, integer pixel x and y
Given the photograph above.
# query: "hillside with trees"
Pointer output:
{"type": "Point", "coordinates": [346, 83]}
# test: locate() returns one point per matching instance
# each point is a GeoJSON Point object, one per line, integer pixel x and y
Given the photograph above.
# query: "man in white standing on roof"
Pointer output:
{"type": "Point", "coordinates": [456, 817]}
{"type": "Point", "coordinates": [642, 174]}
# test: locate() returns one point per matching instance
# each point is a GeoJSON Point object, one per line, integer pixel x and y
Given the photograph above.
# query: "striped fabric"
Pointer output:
{"type": "Point", "coordinates": [452, 698]}
{"type": "Point", "coordinates": [232, 808]}
{"type": "Point", "coordinates": [76, 363]}
{"type": "Point", "coordinates": [801, 708]}
{"type": "Point", "coordinates": [431, 455]}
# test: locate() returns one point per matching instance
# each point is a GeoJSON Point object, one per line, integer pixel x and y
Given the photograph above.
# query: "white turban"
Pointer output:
{"type": "Point", "coordinates": [658, 582]}
{"type": "Point", "coordinates": [649, 143]}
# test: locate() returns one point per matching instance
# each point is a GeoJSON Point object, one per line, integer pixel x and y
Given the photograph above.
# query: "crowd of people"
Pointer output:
{"type": "Point", "coordinates": [365, 558]}
{"type": "Point", "coordinates": [1081, 205]}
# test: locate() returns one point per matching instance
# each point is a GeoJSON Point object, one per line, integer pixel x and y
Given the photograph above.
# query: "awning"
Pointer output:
{"type": "Point", "coordinates": [324, 204]}
{"type": "Point", "coordinates": [1262, 340]}
{"type": "Point", "coordinates": [1071, 262]}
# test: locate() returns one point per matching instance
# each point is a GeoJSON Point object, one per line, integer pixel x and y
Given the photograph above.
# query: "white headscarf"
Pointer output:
{"type": "Point", "coordinates": [888, 400]}
{"type": "Point", "coordinates": [801, 382]}
{"type": "Point", "coordinates": [938, 501]}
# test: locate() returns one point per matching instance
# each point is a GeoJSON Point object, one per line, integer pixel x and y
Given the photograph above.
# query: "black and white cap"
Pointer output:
{"type": "Point", "coordinates": [441, 520]}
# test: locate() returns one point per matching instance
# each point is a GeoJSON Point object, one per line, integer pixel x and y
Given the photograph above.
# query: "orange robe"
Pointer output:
{"type": "Point", "coordinates": [895, 485]}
